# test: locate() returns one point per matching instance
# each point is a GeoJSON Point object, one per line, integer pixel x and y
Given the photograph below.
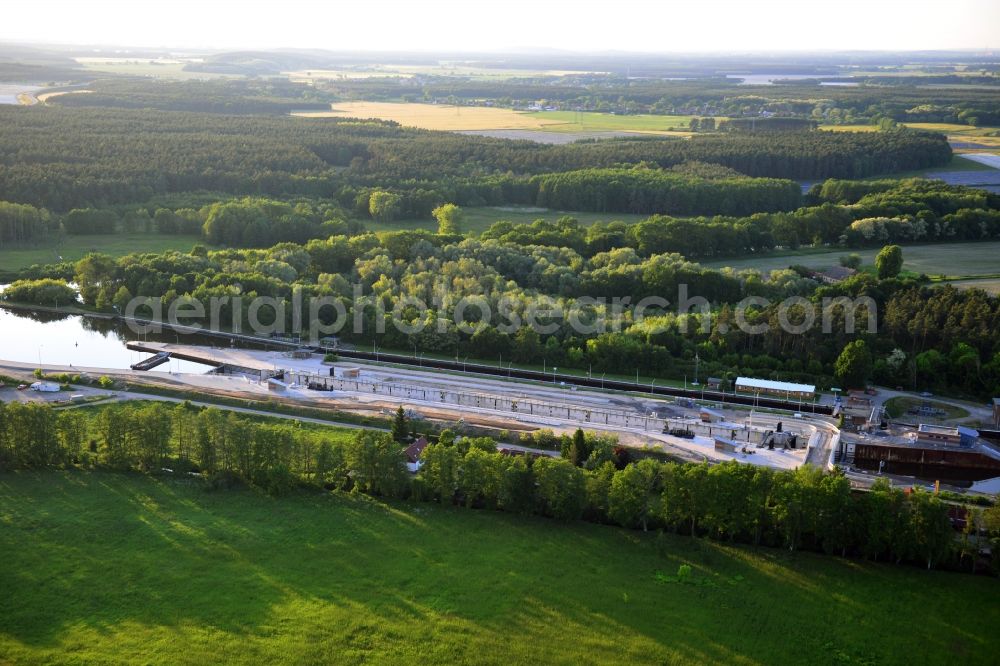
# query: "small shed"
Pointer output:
{"type": "Point", "coordinates": [45, 387]}
{"type": "Point", "coordinates": [967, 437]}
{"type": "Point", "coordinates": [714, 382]}
{"type": "Point", "coordinates": [276, 385]}
{"type": "Point", "coordinates": [350, 373]}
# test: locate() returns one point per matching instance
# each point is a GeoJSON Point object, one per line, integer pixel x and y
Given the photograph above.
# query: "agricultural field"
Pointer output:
{"type": "Point", "coordinates": [432, 116]}
{"type": "Point", "coordinates": [170, 573]}
{"type": "Point", "coordinates": [965, 138]}
{"type": "Point", "coordinates": [582, 121]}
{"type": "Point", "coordinates": [479, 219]}
{"type": "Point", "coordinates": [479, 118]}
{"type": "Point", "coordinates": [71, 248]}
{"type": "Point", "coordinates": [945, 260]}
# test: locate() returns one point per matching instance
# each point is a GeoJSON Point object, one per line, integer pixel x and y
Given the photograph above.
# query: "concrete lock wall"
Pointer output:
{"type": "Point", "coordinates": [528, 407]}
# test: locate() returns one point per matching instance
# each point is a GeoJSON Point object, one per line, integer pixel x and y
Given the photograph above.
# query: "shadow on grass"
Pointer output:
{"type": "Point", "coordinates": [352, 578]}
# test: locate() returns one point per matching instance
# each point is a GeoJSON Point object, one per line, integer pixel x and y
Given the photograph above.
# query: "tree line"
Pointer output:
{"type": "Point", "coordinates": [640, 190]}
{"type": "Point", "coordinates": [801, 509]}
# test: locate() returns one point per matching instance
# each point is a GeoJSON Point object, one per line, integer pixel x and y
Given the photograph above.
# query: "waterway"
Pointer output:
{"type": "Point", "coordinates": [10, 91]}
{"type": "Point", "coordinates": [60, 339]}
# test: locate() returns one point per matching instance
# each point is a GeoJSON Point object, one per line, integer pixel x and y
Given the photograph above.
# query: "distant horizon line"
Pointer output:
{"type": "Point", "coordinates": [497, 51]}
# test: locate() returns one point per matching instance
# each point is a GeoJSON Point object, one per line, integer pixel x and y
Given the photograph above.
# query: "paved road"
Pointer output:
{"type": "Point", "coordinates": [977, 413]}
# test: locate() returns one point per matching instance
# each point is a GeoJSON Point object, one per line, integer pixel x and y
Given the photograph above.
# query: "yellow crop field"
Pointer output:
{"type": "Point", "coordinates": [435, 116]}
{"type": "Point", "coordinates": [477, 118]}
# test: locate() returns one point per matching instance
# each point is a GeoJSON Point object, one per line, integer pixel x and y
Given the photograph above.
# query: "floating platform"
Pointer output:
{"type": "Point", "coordinates": [153, 361]}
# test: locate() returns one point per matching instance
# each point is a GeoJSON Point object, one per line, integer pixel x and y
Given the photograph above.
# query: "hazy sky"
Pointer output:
{"type": "Point", "coordinates": [436, 25]}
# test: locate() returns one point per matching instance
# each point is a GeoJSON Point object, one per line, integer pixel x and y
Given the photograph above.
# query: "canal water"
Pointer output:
{"type": "Point", "coordinates": [10, 91]}
{"type": "Point", "coordinates": [58, 339]}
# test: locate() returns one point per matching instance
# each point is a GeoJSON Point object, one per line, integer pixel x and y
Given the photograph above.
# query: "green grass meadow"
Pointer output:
{"type": "Point", "coordinates": [899, 407]}
{"type": "Point", "coordinates": [589, 121]}
{"type": "Point", "coordinates": [71, 248]}
{"type": "Point", "coordinates": [948, 259]}
{"type": "Point", "coordinates": [109, 568]}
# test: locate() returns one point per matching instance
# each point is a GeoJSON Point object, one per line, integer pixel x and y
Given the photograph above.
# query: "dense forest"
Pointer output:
{"type": "Point", "coordinates": [82, 157]}
{"type": "Point", "coordinates": [227, 96]}
{"type": "Point", "coordinates": [593, 480]}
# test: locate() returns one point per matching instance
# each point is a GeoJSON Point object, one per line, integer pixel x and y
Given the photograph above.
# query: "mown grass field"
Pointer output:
{"type": "Point", "coordinates": [478, 219]}
{"type": "Point", "coordinates": [947, 259]}
{"type": "Point", "coordinates": [470, 118]}
{"type": "Point", "coordinates": [72, 248]}
{"type": "Point", "coordinates": [105, 568]}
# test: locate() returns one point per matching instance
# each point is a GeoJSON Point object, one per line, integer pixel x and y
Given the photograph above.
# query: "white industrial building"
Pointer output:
{"type": "Point", "coordinates": [775, 388]}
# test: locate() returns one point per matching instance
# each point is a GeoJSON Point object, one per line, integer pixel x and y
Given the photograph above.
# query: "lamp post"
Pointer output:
{"type": "Point", "coordinates": [554, 368]}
